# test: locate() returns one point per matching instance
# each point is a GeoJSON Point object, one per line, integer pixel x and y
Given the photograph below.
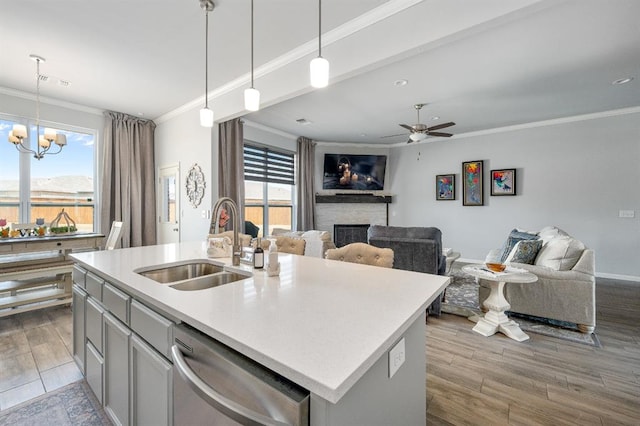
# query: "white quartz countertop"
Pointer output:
{"type": "Point", "coordinates": [320, 323]}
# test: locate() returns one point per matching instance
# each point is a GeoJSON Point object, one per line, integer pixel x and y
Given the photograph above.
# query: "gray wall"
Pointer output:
{"type": "Point", "coordinates": [575, 175]}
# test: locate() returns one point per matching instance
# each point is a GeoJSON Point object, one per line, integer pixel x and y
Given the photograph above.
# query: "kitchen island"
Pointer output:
{"type": "Point", "coordinates": [327, 326]}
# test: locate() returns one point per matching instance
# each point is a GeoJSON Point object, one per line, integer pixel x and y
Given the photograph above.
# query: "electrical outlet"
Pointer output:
{"type": "Point", "coordinates": [396, 357]}
{"type": "Point", "coordinates": [627, 213]}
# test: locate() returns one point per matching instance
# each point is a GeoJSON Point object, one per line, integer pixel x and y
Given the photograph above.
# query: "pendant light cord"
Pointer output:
{"type": "Point", "coordinates": [206, 58]}
{"type": "Point", "coordinates": [320, 28]}
{"type": "Point", "coordinates": [252, 44]}
{"type": "Point", "coordinates": [37, 100]}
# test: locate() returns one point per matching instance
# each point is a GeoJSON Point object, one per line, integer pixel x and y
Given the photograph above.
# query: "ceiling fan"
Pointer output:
{"type": "Point", "coordinates": [421, 131]}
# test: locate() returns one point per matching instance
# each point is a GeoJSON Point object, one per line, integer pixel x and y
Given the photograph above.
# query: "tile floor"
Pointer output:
{"type": "Point", "coordinates": [35, 354]}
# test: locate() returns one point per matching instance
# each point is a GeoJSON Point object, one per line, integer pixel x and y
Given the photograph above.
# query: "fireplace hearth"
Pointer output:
{"type": "Point", "coordinates": [344, 234]}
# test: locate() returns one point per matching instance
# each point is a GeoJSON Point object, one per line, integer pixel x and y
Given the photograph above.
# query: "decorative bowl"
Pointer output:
{"type": "Point", "coordinates": [496, 267]}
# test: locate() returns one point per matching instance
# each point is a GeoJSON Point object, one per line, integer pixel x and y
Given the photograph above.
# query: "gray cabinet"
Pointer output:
{"type": "Point", "coordinates": [93, 322]}
{"type": "Point", "coordinates": [79, 296]}
{"type": "Point", "coordinates": [116, 369]}
{"type": "Point", "coordinates": [151, 385]}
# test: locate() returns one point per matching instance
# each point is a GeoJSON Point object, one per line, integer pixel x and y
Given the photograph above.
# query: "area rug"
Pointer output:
{"type": "Point", "coordinates": [462, 299]}
{"type": "Point", "coordinates": [73, 404]}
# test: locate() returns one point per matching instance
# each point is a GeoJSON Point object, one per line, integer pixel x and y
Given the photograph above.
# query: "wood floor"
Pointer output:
{"type": "Point", "coordinates": [35, 354]}
{"type": "Point", "coordinates": [477, 380]}
{"type": "Point", "coordinates": [471, 379]}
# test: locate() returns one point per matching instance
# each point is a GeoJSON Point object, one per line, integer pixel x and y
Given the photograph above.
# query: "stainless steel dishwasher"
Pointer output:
{"type": "Point", "coordinates": [215, 385]}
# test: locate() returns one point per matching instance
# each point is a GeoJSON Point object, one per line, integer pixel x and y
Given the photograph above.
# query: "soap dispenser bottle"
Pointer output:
{"type": "Point", "coordinates": [273, 267]}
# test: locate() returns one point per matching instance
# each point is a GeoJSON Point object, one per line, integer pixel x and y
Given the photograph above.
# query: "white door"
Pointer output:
{"type": "Point", "coordinates": [169, 204]}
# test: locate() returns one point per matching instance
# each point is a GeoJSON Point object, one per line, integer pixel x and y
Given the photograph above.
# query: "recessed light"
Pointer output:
{"type": "Point", "coordinates": [622, 80]}
{"type": "Point", "coordinates": [400, 83]}
{"type": "Point", "coordinates": [435, 117]}
{"type": "Point", "coordinates": [363, 134]}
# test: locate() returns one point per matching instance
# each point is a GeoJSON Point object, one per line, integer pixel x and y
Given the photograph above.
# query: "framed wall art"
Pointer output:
{"type": "Point", "coordinates": [472, 191]}
{"type": "Point", "coordinates": [503, 182]}
{"type": "Point", "coordinates": [446, 187]}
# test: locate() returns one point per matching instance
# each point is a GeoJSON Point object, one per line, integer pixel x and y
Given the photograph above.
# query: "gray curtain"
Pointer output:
{"type": "Point", "coordinates": [128, 178]}
{"type": "Point", "coordinates": [231, 164]}
{"type": "Point", "coordinates": [305, 188]}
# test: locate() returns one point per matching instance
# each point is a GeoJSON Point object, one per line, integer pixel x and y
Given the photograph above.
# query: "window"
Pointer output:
{"type": "Point", "coordinates": [269, 187]}
{"type": "Point", "coordinates": [31, 188]}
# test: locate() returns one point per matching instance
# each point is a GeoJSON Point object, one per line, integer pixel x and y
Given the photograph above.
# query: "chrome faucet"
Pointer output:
{"type": "Point", "coordinates": [213, 226]}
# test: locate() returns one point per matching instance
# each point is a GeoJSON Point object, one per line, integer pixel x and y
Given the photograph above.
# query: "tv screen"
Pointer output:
{"type": "Point", "coordinates": [363, 172]}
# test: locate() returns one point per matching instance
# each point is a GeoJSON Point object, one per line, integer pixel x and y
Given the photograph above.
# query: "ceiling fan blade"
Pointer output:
{"type": "Point", "coordinates": [406, 126]}
{"type": "Point", "coordinates": [441, 126]}
{"type": "Point", "coordinates": [444, 135]}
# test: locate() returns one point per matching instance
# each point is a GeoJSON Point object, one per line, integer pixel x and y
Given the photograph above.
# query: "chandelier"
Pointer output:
{"type": "Point", "coordinates": [18, 136]}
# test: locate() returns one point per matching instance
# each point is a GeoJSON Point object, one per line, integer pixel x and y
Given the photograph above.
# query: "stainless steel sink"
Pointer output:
{"type": "Point", "coordinates": [184, 271]}
{"type": "Point", "coordinates": [191, 275]}
{"type": "Point", "coordinates": [209, 281]}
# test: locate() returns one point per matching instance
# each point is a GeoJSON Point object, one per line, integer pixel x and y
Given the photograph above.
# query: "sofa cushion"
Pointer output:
{"type": "Point", "coordinates": [525, 251]}
{"type": "Point", "coordinates": [560, 253]}
{"type": "Point", "coordinates": [549, 232]}
{"type": "Point", "coordinates": [512, 240]}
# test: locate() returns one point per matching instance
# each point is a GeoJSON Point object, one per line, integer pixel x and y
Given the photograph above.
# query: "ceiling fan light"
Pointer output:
{"type": "Point", "coordinates": [319, 72]}
{"type": "Point", "coordinates": [417, 137]}
{"type": "Point", "coordinates": [206, 117]}
{"type": "Point", "coordinates": [251, 99]}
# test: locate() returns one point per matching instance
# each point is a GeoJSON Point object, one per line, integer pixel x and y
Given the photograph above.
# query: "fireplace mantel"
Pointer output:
{"type": "Point", "coordinates": [353, 198]}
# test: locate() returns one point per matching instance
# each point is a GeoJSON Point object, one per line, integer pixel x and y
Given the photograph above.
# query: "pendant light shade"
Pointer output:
{"type": "Point", "coordinates": [319, 72]}
{"type": "Point", "coordinates": [252, 95]}
{"type": "Point", "coordinates": [319, 67]}
{"type": "Point", "coordinates": [206, 115]}
{"type": "Point", "coordinates": [251, 99]}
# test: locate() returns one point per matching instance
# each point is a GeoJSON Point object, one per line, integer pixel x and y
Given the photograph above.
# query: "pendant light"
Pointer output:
{"type": "Point", "coordinates": [206, 115]}
{"type": "Point", "coordinates": [319, 67]}
{"type": "Point", "coordinates": [251, 95]}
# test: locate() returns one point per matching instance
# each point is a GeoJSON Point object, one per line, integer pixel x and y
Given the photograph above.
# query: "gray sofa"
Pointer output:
{"type": "Point", "coordinates": [414, 249]}
{"type": "Point", "coordinates": [566, 286]}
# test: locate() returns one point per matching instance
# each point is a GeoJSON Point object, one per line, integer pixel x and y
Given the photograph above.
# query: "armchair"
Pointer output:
{"type": "Point", "coordinates": [415, 249]}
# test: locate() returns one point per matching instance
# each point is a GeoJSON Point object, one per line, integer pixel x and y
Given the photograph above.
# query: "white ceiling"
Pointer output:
{"type": "Point", "coordinates": [483, 64]}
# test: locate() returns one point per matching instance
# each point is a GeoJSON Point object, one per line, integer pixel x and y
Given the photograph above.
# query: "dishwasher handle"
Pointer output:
{"type": "Point", "coordinates": [230, 408]}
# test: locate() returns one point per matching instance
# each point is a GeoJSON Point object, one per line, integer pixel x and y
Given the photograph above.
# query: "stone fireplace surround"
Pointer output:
{"type": "Point", "coordinates": [350, 209]}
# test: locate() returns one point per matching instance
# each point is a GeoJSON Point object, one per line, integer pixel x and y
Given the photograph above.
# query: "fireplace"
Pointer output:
{"type": "Point", "coordinates": [344, 234]}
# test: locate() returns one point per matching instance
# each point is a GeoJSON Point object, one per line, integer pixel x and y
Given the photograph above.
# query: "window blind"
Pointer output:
{"type": "Point", "coordinates": [265, 165]}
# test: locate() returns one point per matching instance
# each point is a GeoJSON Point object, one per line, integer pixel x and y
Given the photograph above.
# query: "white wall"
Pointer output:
{"type": "Point", "coordinates": [181, 140]}
{"type": "Point", "coordinates": [576, 175]}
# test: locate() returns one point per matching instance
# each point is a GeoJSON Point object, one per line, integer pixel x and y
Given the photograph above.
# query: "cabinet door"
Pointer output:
{"type": "Point", "coordinates": [93, 322]}
{"type": "Point", "coordinates": [95, 368]}
{"type": "Point", "coordinates": [151, 386]}
{"type": "Point", "coordinates": [78, 313]}
{"type": "Point", "coordinates": [116, 369]}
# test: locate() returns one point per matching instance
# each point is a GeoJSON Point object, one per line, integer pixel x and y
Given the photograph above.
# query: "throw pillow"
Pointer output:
{"type": "Point", "coordinates": [525, 251]}
{"type": "Point", "coordinates": [560, 253]}
{"type": "Point", "coordinates": [512, 240]}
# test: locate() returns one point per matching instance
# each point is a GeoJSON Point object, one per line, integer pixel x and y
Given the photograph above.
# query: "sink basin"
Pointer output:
{"type": "Point", "coordinates": [209, 281]}
{"type": "Point", "coordinates": [180, 272]}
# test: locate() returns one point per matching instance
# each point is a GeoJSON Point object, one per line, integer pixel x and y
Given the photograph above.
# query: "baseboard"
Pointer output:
{"type": "Point", "coordinates": [620, 277]}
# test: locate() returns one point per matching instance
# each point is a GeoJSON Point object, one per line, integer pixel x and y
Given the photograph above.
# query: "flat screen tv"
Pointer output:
{"type": "Point", "coordinates": [361, 172]}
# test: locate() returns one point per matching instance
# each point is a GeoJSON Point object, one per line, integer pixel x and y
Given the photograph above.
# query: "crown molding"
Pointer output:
{"type": "Point", "coordinates": [50, 101]}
